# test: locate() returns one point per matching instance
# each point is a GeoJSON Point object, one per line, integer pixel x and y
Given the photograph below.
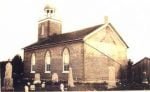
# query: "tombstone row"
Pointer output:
{"type": "Point", "coordinates": [32, 87]}
{"type": "Point", "coordinates": [8, 80]}
{"type": "Point", "coordinates": [37, 80]}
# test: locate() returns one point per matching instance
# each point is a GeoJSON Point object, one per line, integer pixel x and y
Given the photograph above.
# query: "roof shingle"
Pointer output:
{"type": "Point", "coordinates": [66, 37]}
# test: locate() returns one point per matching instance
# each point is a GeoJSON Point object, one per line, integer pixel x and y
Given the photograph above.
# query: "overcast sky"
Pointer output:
{"type": "Point", "coordinates": [19, 19]}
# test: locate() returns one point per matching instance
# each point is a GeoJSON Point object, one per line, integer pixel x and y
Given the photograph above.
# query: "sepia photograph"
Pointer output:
{"type": "Point", "coordinates": [74, 45]}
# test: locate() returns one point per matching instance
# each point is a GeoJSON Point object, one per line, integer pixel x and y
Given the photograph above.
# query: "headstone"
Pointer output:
{"type": "Point", "coordinates": [70, 78]}
{"type": "Point", "coordinates": [55, 77]}
{"type": "Point", "coordinates": [8, 70]}
{"type": "Point", "coordinates": [43, 85]}
{"type": "Point", "coordinates": [32, 87]}
{"type": "Point", "coordinates": [26, 89]}
{"type": "Point", "coordinates": [8, 80]}
{"type": "Point", "coordinates": [65, 89]}
{"type": "Point", "coordinates": [28, 83]}
{"type": "Point", "coordinates": [62, 87]}
{"type": "Point", "coordinates": [37, 79]}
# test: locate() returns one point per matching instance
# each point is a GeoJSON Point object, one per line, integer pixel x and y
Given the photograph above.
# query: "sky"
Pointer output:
{"type": "Point", "coordinates": [19, 22]}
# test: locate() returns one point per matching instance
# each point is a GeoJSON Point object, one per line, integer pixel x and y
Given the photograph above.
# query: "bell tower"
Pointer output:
{"type": "Point", "coordinates": [48, 26]}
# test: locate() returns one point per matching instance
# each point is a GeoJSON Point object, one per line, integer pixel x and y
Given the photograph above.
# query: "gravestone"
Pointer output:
{"type": "Point", "coordinates": [43, 85]}
{"type": "Point", "coordinates": [62, 87]}
{"type": "Point", "coordinates": [32, 87]}
{"type": "Point", "coordinates": [8, 80]}
{"type": "Point", "coordinates": [26, 89]}
{"type": "Point", "coordinates": [37, 79]}
{"type": "Point", "coordinates": [70, 78]}
{"type": "Point", "coordinates": [28, 83]}
{"type": "Point", "coordinates": [55, 77]}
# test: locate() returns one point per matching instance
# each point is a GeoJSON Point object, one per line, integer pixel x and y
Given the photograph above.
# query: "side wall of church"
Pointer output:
{"type": "Point", "coordinates": [76, 61]}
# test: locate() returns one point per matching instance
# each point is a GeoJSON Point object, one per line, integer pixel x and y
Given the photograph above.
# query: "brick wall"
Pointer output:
{"type": "Point", "coordinates": [96, 66]}
{"type": "Point", "coordinates": [76, 61]}
{"type": "Point", "coordinates": [103, 49]}
{"type": "Point", "coordinates": [50, 27]}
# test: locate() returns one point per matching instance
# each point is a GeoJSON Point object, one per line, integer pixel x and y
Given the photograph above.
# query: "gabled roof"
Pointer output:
{"type": "Point", "coordinates": [142, 60]}
{"type": "Point", "coordinates": [66, 37]}
{"type": "Point", "coordinates": [109, 24]}
{"type": "Point", "coordinates": [119, 35]}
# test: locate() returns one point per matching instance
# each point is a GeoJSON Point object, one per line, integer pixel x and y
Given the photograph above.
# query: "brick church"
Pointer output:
{"type": "Point", "coordinates": [95, 54]}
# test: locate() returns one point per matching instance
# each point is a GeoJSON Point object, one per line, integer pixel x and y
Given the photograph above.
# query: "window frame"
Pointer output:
{"type": "Point", "coordinates": [66, 71]}
{"type": "Point", "coordinates": [33, 57]}
{"type": "Point", "coordinates": [45, 62]}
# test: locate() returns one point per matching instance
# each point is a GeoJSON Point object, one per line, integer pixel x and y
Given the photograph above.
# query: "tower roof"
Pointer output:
{"type": "Point", "coordinates": [49, 9]}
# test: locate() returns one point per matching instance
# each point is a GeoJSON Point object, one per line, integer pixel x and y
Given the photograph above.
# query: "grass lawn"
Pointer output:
{"type": "Point", "coordinates": [50, 86]}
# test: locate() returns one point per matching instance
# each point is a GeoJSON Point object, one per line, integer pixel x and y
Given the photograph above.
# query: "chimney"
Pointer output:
{"type": "Point", "coordinates": [106, 20]}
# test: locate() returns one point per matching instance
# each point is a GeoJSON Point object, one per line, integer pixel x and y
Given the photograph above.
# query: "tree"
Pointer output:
{"type": "Point", "coordinates": [129, 71]}
{"type": "Point", "coordinates": [17, 65]}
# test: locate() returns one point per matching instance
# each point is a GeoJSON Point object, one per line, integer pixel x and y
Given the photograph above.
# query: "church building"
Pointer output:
{"type": "Point", "coordinates": [95, 54]}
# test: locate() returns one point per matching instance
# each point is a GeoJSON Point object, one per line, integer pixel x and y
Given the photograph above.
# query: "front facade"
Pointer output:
{"type": "Point", "coordinates": [95, 54]}
{"type": "Point", "coordinates": [106, 52]}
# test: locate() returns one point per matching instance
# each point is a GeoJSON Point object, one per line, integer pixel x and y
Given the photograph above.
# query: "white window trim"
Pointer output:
{"type": "Point", "coordinates": [63, 63]}
{"type": "Point", "coordinates": [47, 71]}
{"type": "Point", "coordinates": [46, 64]}
{"type": "Point", "coordinates": [32, 72]}
{"type": "Point", "coordinates": [65, 71]}
{"type": "Point", "coordinates": [31, 65]}
{"type": "Point", "coordinates": [31, 69]}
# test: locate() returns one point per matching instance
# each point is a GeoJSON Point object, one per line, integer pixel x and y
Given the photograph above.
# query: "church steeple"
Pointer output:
{"type": "Point", "coordinates": [49, 10]}
{"type": "Point", "coordinates": [48, 26]}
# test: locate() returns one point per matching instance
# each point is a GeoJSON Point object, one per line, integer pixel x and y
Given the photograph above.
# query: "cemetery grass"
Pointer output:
{"type": "Point", "coordinates": [50, 86]}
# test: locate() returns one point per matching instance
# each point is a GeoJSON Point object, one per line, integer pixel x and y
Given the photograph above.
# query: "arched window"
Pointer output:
{"type": "Point", "coordinates": [47, 62]}
{"type": "Point", "coordinates": [66, 60]}
{"type": "Point", "coordinates": [33, 63]}
{"type": "Point", "coordinates": [42, 30]}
